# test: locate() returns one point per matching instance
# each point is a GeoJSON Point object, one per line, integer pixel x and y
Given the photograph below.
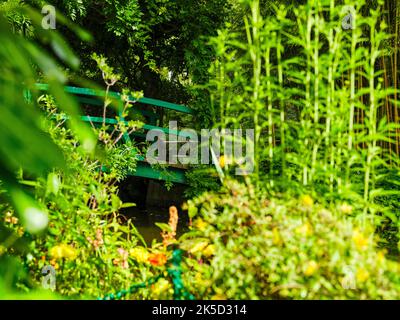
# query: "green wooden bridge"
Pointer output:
{"type": "Point", "coordinates": [152, 110]}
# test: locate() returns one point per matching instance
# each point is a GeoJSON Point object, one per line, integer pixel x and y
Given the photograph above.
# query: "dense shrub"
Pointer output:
{"type": "Point", "coordinates": [304, 225]}
{"type": "Point", "coordinates": [201, 179]}
{"type": "Point", "coordinates": [246, 245]}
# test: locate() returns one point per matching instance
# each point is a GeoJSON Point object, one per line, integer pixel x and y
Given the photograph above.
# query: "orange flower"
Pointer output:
{"type": "Point", "coordinates": [116, 262]}
{"type": "Point", "coordinates": [157, 259]}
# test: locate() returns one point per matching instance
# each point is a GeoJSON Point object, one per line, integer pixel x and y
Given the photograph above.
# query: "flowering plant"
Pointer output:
{"type": "Point", "coordinates": [267, 247]}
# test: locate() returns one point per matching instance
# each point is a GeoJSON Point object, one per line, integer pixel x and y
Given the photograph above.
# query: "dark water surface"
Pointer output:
{"type": "Point", "coordinates": [152, 201]}
{"type": "Point", "coordinates": [144, 220]}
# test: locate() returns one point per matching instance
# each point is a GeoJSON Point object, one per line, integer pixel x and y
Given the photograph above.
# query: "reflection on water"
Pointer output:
{"type": "Point", "coordinates": [145, 219]}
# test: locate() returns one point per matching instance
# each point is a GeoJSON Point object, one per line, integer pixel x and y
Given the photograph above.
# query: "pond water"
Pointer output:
{"type": "Point", "coordinates": [152, 201]}
{"type": "Point", "coordinates": [144, 220]}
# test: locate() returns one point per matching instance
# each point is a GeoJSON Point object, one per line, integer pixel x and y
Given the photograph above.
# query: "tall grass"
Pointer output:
{"type": "Point", "coordinates": [316, 97]}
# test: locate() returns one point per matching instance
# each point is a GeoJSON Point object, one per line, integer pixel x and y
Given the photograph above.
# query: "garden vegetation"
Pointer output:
{"type": "Point", "coordinates": [317, 219]}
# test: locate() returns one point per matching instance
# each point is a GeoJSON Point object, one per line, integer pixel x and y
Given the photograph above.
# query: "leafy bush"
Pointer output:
{"type": "Point", "coordinates": [312, 92]}
{"type": "Point", "coordinates": [316, 100]}
{"type": "Point", "coordinates": [201, 179]}
{"type": "Point", "coordinates": [87, 242]}
{"type": "Point", "coordinates": [245, 245]}
{"type": "Point", "coordinates": [93, 249]}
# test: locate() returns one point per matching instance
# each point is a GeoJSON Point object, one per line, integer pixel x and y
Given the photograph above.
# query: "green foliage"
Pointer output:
{"type": "Point", "coordinates": [313, 94]}
{"type": "Point", "coordinates": [254, 246]}
{"type": "Point", "coordinates": [87, 241]}
{"type": "Point", "coordinates": [75, 9]}
{"type": "Point", "coordinates": [315, 108]}
{"type": "Point", "coordinates": [20, 23]}
{"type": "Point", "coordinates": [71, 191]}
{"type": "Point", "coordinates": [312, 91]}
{"type": "Point", "coordinates": [201, 179]}
{"type": "Point", "coordinates": [158, 46]}
{"type": "Point", "coordinates": [24, 142]}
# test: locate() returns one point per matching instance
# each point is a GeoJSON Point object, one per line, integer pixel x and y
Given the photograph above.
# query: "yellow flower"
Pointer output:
{"type": "Point", "coordinates": [69, 252]}
{"type": "Point", "coordinates": [222, 161]}
{"type": "Point", "coordinates": [305, 230]}
{"type": "Point", "coordinates": [20, 231]}
{"type": "Point", "coordinates": [284, 293]}
{"type": "Point", "coordinates": [10, 219]}
{"type": "Point", "coordinates": [161, 286]}
{"type": "Point", "coordinates": [140, 254]}
{"type": "Point", "coordinates": [381, 256]}
{"type": "Point", "coordinates": [56, 252]}
{"type": "Point", "coordinates": [306, 201]}
{"type": "Point", "coordinates": [346, 208]}
{"type": "Point", "coordinates": [63, 251]}
{"type": "Point", "coordinates": [198, 247]}
{"type": "Point", "coordinates": [209, 251]}
{"type": "Point", "coordinates": [54, 263]}
{"type": "Point", "coordinates": [200, 224]}
{"type": "Point", "coordinates": [359, 240]}
{"type": "Point", "coordinates": [362, 275]}
{"type": "Point", "coordinates": [276, 237]}
{"type": "Point", "coordinates": [218, 296]}
{"type": "Point", "coordinates": [310, 268]}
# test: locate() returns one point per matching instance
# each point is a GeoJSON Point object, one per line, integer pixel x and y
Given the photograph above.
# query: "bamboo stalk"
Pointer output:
{"type": "Point", "coordinates": [316, 88]}
{"type": "Point", "coordinates": [281, 101]}
{"type": "Point", "coordinates": [267, 59]}
{"type": "Point", "coordinates": [372, 119]}
{"type": "Point", "coordinates": [387, 106]}
{"type": "Point", "coordinates": [304, 113]}
{"type": "Point", "coordinates": [395, 76]}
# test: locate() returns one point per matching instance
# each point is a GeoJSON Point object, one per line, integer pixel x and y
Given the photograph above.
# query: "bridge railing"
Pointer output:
{"type": "Point", "coordinates": [92, 97]}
